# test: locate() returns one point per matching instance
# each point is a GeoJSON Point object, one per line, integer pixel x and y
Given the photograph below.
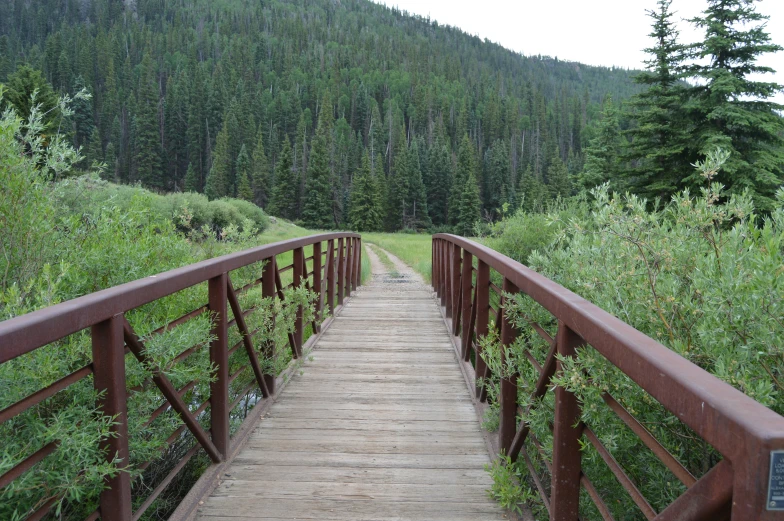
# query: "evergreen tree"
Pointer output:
{"type": "Point", "coordinates": [244, 190]}
{"type": "Point", "coordinates": [558, 181]}
{"type": "Point", "coordinates": [191, 179]}
{"type": "Point", "coordinates": [397, 193]}
{"type": "Point", "coordinates": [601, 157]}
{"type": "Point", "coordinates": [217, 184]}
{"type": "Point", "coordinates": [419, 217]}
{"type": "Point", "coordinates": [661, 136]}
{"type": "Point", "coordinates": [365, 212]}
{"type": "Point", "coordinates": [82, 115]}
{"type": "Point", "coordinates": [732, 111]}
{"type": "Point", "coordinates": [532, 191]}
{"type": "Point", "coordinates": [497, 177]}
{"type": "Point", "coordinates": [260, 173]}
{"type": "Point", "coordinates": [19, 91]}
{"type": "Point", "coordinates": [439, 181]}
{"type": "Point", "coordinates": [466, 165]}
{"type": "Point", "coordinates": [317, 212]}
{"type": "Point", "coordinates": [283, 202]}
{"type": "Point", "coordinates": [470, 207]}
{"type": "Point", "coordinates": [93, 151]}
{"type": "Point", "coordinates": [147, 150]}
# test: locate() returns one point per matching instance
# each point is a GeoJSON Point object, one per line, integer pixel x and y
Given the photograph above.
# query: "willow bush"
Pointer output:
{"type": "Point", "coordinates": [65, 237]}
{"type": "Point", "coordinates": [702, 275]}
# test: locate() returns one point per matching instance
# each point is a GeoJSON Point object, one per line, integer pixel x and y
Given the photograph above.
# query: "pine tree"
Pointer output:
{"type": "Point", "coordinates": [217, 184]}
{"type": "Point", "coordinates": [558, 181]}
{"type": "Point", "coordinates": [497, 178]}
{"type": "Point", "coordinates": [191, 179]}
{"type": "Point", "coordinates": [601, 156]}
{"type": "Point", "coordinates": [440, 181]}
{"type": "Point", "coordinates": [466, 165]}
{"type": "Point", "coordinates": [470, 207]}
{"type": "Point", "coordinates": [317, 211]}
{"type": "Point", "coordinates": [731, 110]}
{"type": "Point", "coordinates": [284, 201]}
{"type": "Point", "coordinates": [244, 190]}
{"type": "Point", "coordinates": [365, 202]}
{"type": "Point", "coordinates": [532, 192]}
{"type": "Point", "coordinates": [397, 193]}
{"type": "Point", "coordinates": [419, 217]}
{"type": "Point", "coordinates": [93, 151]}
{"type": "Point", "coordinates": [661, 136]}
{"type": "Point", "coordinates": [260, 173]}
{"type": "Point", "coordinates": [147, 150]}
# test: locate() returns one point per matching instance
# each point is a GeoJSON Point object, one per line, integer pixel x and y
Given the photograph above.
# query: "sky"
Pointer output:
{"type": "Point", "coordinates": [593, 32]}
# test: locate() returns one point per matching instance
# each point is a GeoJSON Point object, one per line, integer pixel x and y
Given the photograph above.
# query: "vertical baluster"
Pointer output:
{"type": "Point", "coordinates": [219, 356]}
{"type": "Point", "coordinates": [358, 263]}
{"type": "Point", "coordinates": [109, 378]}
{"type": "Point", "coordinates": [565, 495]}
{"type": "Point", "coordinates": [441, 274]}
{"type": "Point", "coordinates": [268, 291]}
{"type": "Point", "coordinates": [508, 397]}
{"type": "Point", "coordinates": [456, 288]}
{"type": "Point", "coordinates": [317, 285]}
{"type": "Point", "coordinates": [482, 318]}
{"type": "Point", "coordinates": [341, 271]}
{"type": "Point", "coordinates": [331, 276]}
{"type": "Point", "coordinates": [467, 283]}
{"type": "Point", "coordinates": [349, 264]}
{"type": "Point", "coordinates": [433, 270]}
{"type": "Point", "coordinates": [448, 279]}
{"type": "Point", "coordinates": [299, 275]}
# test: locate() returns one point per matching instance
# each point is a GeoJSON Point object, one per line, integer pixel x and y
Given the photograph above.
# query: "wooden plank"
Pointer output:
{"type": "Point", "coordinates": [377, 424]}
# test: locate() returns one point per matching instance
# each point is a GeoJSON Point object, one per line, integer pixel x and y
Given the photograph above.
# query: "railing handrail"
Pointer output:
{"type": "Point", "coordinates": [744, 431]}
{"type": "Point", "coordinates": [697, 397]}
{"type": "Point", "coordinates": [25, 333]}
{"type": "Point", "coordinates": [113, 340]}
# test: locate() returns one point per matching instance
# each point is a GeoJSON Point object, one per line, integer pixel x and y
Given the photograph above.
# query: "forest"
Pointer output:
{"type": "Point", "coordinates": [181, 130]}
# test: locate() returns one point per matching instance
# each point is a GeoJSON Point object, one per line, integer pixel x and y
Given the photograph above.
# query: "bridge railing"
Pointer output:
{"type": "Point", "coordinates": [744, 432]}
{"type": "Point", "coordinates": [332, 272]}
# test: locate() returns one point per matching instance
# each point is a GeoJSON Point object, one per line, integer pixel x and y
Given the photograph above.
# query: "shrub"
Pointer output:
{"type": "Point", "coordinates": [702, 275]}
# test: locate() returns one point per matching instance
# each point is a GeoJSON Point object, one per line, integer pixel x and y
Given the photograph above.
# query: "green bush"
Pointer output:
{"type": "Point", "coordinates": [66, 239]}
{"type": "Point", "coordinates": [702, 275]}
{"type": "Point", "coordinates": [189, 211]}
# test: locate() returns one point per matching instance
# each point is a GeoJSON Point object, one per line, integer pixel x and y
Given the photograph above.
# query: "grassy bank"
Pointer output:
{"type": "Point", "coordinates": [413, 249]}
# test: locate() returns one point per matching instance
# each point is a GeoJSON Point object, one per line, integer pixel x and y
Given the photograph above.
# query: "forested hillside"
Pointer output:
{"type": "Point", "coordinates": [278, 102]}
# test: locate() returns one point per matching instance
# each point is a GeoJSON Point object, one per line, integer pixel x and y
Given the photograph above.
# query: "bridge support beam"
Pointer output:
{"type": "Point", "coordinates": [219, 356]}
{"type": "Point", "coordinates": [565, 496]}
{"type": "Point", "coordinates": [109, 379]}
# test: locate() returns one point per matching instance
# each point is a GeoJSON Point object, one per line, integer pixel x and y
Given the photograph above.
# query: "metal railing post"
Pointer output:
{"type": "Point", "coordinates": [508, 396]}
{"type": "Point", "coordinates": [331, 276]}
{"type": "Point", "coordinates": [108, 349]}
{"type": "Point", "coordinates": [317, 285]}
{"type": "Point", "coordinates": [456, 287]}
{"type": "Point", "coordinates": [341, 271]}
{"type": "Point", "coordinates": [449, 279]}
{"type": "Point", "coordinates": [349, 264]}
{"type": "Point", "coordinates": [467, 281]}
{"type": "Point", "coordinates": [482, 319]}
{"type": "Point", "coordinates": [268, 291]}
{"type": "Point", "coordinates": [219, 356]}
{"type": "Point", "coordinates": [299, 276]}
{"type": "Point", "coordinates": [565, 495]}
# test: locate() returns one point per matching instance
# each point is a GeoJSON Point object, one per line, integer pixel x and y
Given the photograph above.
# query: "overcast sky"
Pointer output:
{"type": "Point", "coordinates": [594, 32]}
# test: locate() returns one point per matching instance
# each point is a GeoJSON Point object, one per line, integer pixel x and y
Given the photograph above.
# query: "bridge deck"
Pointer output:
{"type": "Point", "coordinates": [378, 425]}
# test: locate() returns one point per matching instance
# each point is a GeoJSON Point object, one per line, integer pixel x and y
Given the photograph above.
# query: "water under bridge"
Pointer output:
{"type": "Point", "coordinates": [378, 415]}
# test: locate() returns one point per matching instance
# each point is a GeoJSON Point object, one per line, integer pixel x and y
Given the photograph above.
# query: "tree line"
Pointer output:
{"type": "Point", "coordinates": [354, 115]}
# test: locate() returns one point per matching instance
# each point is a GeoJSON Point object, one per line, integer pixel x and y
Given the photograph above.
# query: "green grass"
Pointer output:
{"type": "Point", "coordinates": [413, 249]}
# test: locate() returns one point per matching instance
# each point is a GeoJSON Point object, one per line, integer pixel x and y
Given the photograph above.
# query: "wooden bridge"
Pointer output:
{"type": "Point", "coordinates": [377, 416]}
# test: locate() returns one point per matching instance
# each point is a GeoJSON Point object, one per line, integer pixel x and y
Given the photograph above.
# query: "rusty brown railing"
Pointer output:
{"type": "Point", "coordinates": [113, 338]}
{"type": "Point", "coordinates": [744, 432]}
